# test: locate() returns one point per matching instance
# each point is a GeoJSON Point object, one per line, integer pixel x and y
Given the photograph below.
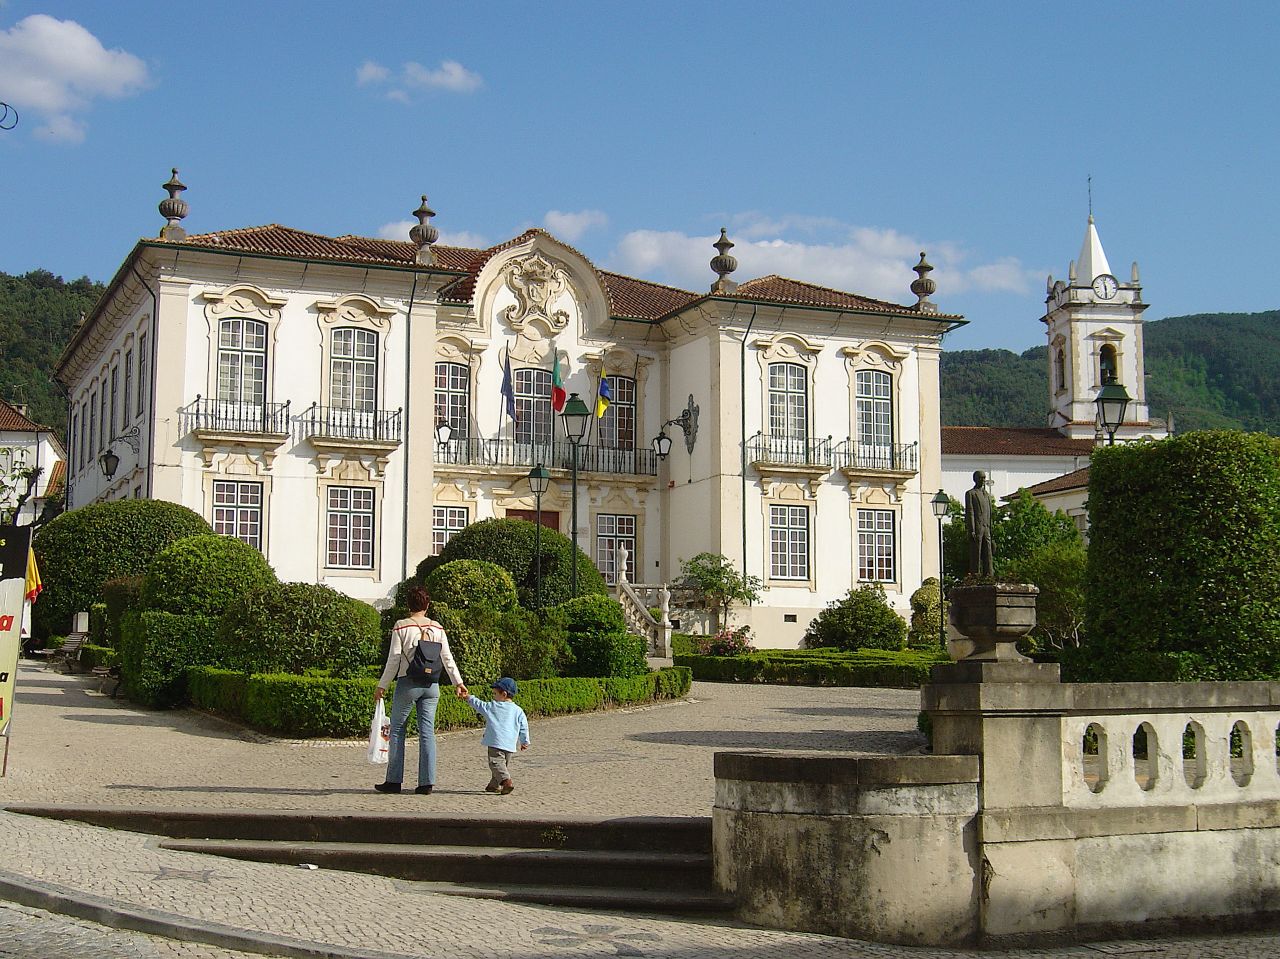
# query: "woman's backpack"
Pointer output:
{"type": "Point", "coordinates": [426, 663]}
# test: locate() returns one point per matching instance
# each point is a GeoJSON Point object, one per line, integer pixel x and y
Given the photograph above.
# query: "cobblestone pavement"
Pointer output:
{"type": "Point", "coordinates": [72, 745]}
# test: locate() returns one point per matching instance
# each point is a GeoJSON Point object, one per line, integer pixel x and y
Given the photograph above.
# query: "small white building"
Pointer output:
{"type": "Point", "coordinates": [1093, 323]}
{"type": "Point", "coordinates": [27, 446]}
{"type": "Point", "coordinates": [291, 387]}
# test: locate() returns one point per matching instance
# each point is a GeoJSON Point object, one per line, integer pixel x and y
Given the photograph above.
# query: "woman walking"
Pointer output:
{"type": "Point", "coordinates": [415, 688]}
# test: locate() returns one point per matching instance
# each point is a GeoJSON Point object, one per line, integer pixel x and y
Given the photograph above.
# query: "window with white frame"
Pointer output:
{"type": "Point", "coordinates": [93, 424]}
{"type": "Point", "coordinates": [874, 406]}
{"type": "Point", "coordinates": [446, 522]}
{"type": "Point", "coordinates": [788, 401]}
{"type": "Point", "coordinates": [115, 397]}
{"type": "Point", "coordinates": [877, 546]}
{"type": "Point", "coordinates": [533, 406]}
{"type": "Point", "coordinates": [237, 511]}
{"type": "Point", "coordinates": [242, 362]}
{"type": "Point", "coordinates": [84, 434]}
{"type": "Point", "coordinates": [789, 542]}
{"type": "Point", "coordinates": [617, 428]}
{"type": "Point", "coordinates": [127, 396]}
{"type": "Point", "coordinates": [143, 359]}
{"type": "Point", "coordinates": [353, 370]}
{"type": "Point", "coordinates": [453, 397]}
{"type": "Point", "coordinates": [104, 437]}
{"type": "Point", "coordinates": [349, 526]}
{"type": "Point", "coordinates": [75, 455]}
{"type": "Point", "coordinates": [614, 530]}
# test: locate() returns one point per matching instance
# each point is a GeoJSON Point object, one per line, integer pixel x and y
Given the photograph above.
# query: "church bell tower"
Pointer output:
{"type": "Point", "coordinates": [1094, 325]}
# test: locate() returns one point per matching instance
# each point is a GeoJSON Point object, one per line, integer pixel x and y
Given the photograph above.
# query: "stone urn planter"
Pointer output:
{"type": "Point", "coordinates": [993, 617]}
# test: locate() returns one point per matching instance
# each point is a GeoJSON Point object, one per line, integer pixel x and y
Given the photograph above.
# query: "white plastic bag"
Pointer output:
{"type": "Point", "coordinates": [379, 735]}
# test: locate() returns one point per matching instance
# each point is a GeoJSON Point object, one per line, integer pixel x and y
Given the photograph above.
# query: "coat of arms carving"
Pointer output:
{"type": "Point", "coordinates": [537, 284]}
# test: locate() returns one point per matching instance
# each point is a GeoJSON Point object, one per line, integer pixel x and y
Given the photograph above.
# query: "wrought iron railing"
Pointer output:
{"type": "Point", "coordinates": [234, 416]}
{"type": "Point", "coordinates": [338, 423]}
{"type": "Point", "coordinates": [789, 450]}
{"type": "Point", "coordinates": [553, 454]}
{"type": "Point", "coordinates": [900, 458]}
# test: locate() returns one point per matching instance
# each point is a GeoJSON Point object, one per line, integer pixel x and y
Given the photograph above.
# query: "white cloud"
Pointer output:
{"type": "Point", "coordinates": [571, 226]}
{"type": "Point", "coordinates": [871, 261]}
{"type": "Point", "coordinates": [450, 75]}
{"type": "Point", "coordinates": [371, 72]}
{"type": "Point", "coordinates": [57, 68]}
{"type": "Point", "coordinates": [399, 230]}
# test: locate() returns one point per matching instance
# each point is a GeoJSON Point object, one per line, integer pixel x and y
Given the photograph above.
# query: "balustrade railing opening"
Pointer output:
{"type": "Point", "coordinates": [234, 416]}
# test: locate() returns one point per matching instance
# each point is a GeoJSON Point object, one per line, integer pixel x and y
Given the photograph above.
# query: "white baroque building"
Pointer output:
{"type": "Point", "coordinates": [290, 387]}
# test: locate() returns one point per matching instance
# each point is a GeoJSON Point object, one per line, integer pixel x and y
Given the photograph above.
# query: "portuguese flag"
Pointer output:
{"type": "Point", "coordinates": [557, 383]}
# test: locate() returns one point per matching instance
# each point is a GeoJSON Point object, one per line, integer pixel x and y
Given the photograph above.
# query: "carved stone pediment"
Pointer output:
{"type": "Point", "coordinates": [537, 283]}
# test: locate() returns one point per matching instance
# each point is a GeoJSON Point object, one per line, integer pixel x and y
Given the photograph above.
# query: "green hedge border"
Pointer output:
{"type": "Point", "coordinates": [818, 667]}
{"type": "Point", "coordinates": [311, 706]}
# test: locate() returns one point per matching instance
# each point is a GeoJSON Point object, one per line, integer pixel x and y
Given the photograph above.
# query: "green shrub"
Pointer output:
{"type": "Point", "coordinates": [592, 614]}
{"type": "Point", "coordinates": [91, 657]}
{"type": "Point", "coordinates": [98, 624]}
{"type": "Point", "coordinates": [120, 594]}
{"type": "Point", "coordinates": [682, 644]}
{"type": "Point", "coordinates": [82, 549]}
{"type": "Point", "coordinates": [1058, 569]}
{"type": "Point", "coordinates": [510, 544]}
{"type": "Point", "coordinates": [156, 649]}
{"type": "Point", "coordinates": [316, 706]}
{"type": "Point", "coordinates": [293, 627]}
{"type": "Point", "coordinates": [908, 669]}
{"type": "Point", "coordinates": [727, 642]}
{"type": "Point", "coordinates": [533, 645]}
{"type": "Point", "coordinates": [1183, 572]}
{"type": "Point", "coordinates": [203, 575]}
{"type": "Point", "coordinates": [607, 654]}
{"type": "Point", "coordinates": [464, 583]}
{"type": "Point", "coordinates": [926, 615]}
{"type": "Point", "coordinates": [475, 640]}
{"type": "Point", "coordinates": [863, 619]}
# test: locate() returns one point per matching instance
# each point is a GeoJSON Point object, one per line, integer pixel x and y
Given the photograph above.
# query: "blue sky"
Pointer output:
{"type": "Point", "coordinates": [834, 140]}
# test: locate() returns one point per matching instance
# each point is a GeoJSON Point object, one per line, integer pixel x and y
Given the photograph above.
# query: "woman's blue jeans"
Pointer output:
{"type": "Point", "coordinates": [409, 694]}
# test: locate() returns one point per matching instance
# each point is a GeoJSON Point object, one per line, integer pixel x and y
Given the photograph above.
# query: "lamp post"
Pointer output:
{"type": "Point", "coordinates": [1112, 401]}
{"type": "Point", "coordinates": [574, 416]}
{"type": "Point", "coordinates": [941, 503]}
{"type": "Point", "coordinates": [539, 479]}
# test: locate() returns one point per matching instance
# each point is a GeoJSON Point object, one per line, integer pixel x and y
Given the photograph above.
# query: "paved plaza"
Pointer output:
{"type": "Point", "coordinates": [74, 745]}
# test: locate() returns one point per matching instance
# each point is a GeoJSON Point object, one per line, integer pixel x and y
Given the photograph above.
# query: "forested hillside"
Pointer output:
{"type": "Point", "coordinates": [1211, 370]}
{"type": "Point", "coordinates": [38, 312]}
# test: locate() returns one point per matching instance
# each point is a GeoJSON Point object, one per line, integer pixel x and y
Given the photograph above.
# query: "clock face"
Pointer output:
{"type": "Point", "coordinates": [1105, 286]}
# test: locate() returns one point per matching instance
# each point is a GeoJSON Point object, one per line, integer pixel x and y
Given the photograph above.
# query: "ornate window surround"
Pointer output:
{"type": "Point", "coordinates": [788, 492]}
{"type": "Point", "coordinates": [1109, 336]}
{"type": "Point", "coordinates": [245, 466]}
{"type": "Point", "coordinates": [877, 497]}
{"type": "Point", "coordinates": [787, 348]}
{"type": "Point", "coordinates": [622, 361]}
{"type": "Point", "coordinates": [350, 472]}
{"type": "Point", "coordinates": [242, 301]}
{"type": "Point", "coordinates": [617, 501]}
{"type": "Point", "coordinates": [360, 312]}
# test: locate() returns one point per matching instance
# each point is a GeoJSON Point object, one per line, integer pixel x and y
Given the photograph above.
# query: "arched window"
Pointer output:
{"type": "Point", "coordinates": [874, 407]}
{"type": "Point", "coordinates": [1060, 370]}
{"type": "Point", "coordinates": [618, 425]}
{"type": "Point", "coordinates": [242, 362]}
{"type": "Point", "coordinates": [533, 406]}
{"type": "Point", "coordinates": [453, 397]}
{"type": "Point", "coordinates": [788, 401]}
{"type": "Point", "coordinates": [353, 370]}
{"type": "Point", "coordinates": [1107, 363]}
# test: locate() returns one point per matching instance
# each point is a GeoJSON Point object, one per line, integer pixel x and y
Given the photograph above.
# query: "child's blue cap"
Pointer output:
{"type": "Point", "coordinates": [506, 684]}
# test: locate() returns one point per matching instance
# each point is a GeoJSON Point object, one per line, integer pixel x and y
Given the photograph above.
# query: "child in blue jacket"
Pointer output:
{"type": "Point", "coordinates": [506, 730]}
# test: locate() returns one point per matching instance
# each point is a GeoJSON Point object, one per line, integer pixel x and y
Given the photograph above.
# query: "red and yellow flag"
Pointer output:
{"type": "Point", "coordinates": [34, 584]}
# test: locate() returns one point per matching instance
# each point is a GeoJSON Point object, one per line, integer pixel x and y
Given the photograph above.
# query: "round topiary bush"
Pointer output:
{"type": "Point", "coordinates": [475, 639]}
{"type": "Point", "coordinates": [510, 544]}
{"type": "Point", "coordinates": [863, 619]}
{"type": "Point", "coordinates": [204, 575]}
{"type": "Point", "coordinates": [80, 550]}
{"type": "Point", "coordinates": [464, 583]}
{"type": "Point", "coordinates": [294, 627]}
{"type": "Point", "coordinates": [592, 614]}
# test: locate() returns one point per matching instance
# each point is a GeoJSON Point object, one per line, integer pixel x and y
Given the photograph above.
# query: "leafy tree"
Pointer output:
{"type": "Point", "coordinates": [863, 619]}
{"type": "Point", "coordinates": [1022, 526]}
{"type": "Point", "coordinates": [1058, 569]}
{"type": "Point", "coordinates": [719, 584]}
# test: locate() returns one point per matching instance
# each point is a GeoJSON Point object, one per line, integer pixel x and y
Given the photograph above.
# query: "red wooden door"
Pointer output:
{"type": "Point", "coordinates": [550, 518]}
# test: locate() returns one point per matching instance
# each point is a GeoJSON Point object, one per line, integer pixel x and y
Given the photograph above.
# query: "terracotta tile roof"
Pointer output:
{"type": "Point", "coordinates": [1076, 479]}
{"type": "Point", "coordinates": [781, 289]}
{"type": "Point", "coordinates": [57, 478]}
{"type": "Point", "coordinates": [12, 421]}
{"type": "Point", "coordinates": [640, 299]}
{"type": "Point", "coordinates": [402, 251]}
{"type": "Point", "coordinates": [1010, 441]}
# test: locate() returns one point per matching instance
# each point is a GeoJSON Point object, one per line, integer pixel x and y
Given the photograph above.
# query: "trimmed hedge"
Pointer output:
{"type": "Point", "coordinates": [204, 575]}
{"type": "Point", "coordinates": [307, 706]}
{"type": "Point", "coordinates": [82, 549]}
{"type": "Point", "coordinates": [99, 631]}
{"type": "Point", "coordinates": [1183, 571]}
{"type": "Point", "coordinates": [156, 650]}
{"type": "Point", "coordinates": [92, 657]}
{"type": "Point", "coordinates": [464, 583]}
{"type": "Point", "coordinates": [120, 595]}
{"type": "Point", "coordinates": [293, 627]}
{"type": "Point", "coordinates": [908, 669]}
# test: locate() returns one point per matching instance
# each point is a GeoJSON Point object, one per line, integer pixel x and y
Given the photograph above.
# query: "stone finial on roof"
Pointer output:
{"type": "Point", "coordinates": [174, 209]}
{"type": "Point", "coordinates": [922, 286]}
{"type": "Point", "coordinates": [723, 264]}
{"type": "Point", "coordinates": [424, 234]}
{"type": "Point", "coordinates": [1133, 273]}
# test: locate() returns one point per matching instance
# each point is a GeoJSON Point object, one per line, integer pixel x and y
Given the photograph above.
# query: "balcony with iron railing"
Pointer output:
{"type": "Point", "coordinates": [553, 454]}
{"type": "Point", "coordinates": [230, 417]}
{"type": "Point", "coordinates": [797, 451]}
{"type": "Point", "coordinates": [858, 459]}
{"type": "Point", "coordinates": [335, 423]}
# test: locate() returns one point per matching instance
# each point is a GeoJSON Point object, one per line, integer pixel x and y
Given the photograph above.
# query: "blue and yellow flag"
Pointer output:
{"type": "Point", "coordinates": [604, 398]}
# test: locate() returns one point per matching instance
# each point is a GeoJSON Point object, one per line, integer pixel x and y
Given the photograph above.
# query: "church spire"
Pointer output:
{"type": "Point", "coordinates": [1093, 261]}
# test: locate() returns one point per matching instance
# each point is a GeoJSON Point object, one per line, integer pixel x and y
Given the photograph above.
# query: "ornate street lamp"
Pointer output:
{"type": "Point", "coordinates": [539, 480]}
{"type": "Point", "coordinates": [1112, 401]}
{"type": "Point", "coordinates": [108, 462]}
{"type": "Point", "coordinates": [575, 417]}
{"type": "Point", "coordinates": [688, 423]}
{"type": "Point", "coordinates": [941, 503]}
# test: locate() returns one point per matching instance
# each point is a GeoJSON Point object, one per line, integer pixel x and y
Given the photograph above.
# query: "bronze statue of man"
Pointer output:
{"type": "Point", "coordinates": [977, 521]}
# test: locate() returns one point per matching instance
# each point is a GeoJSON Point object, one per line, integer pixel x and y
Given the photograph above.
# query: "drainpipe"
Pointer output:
{"type": "Point", "coordinates": [742, 447]}
{"type": "Point", "coordinates": [155, 325]}
{"type": "Point", "coordinates": [404, 512]}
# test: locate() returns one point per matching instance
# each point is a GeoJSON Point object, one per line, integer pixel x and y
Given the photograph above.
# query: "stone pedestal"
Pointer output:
{"type": "Point", "coordinates": [994, 617]}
